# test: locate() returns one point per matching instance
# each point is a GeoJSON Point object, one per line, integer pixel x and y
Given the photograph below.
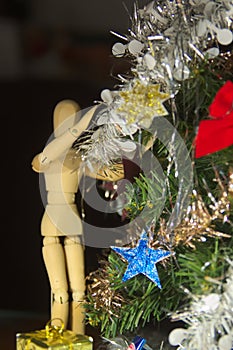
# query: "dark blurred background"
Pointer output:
{"type": "Point", "coordinates": [50, 50]}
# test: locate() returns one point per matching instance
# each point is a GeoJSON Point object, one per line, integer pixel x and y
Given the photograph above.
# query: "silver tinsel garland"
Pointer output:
{"type": "Point", "coordinates": [166, 40]}
{"type": "Point", "coordinates": [209, 319]}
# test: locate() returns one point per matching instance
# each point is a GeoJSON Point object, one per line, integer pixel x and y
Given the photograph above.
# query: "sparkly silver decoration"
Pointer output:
{"type": "Point", "coordinates": [173, 34]}
{"type": "Point", "coordinates": [165, 42]}
{"type": "Point", "coordinates": [106, 145]}
{"type": "Point", "coordinates": [209, 319]}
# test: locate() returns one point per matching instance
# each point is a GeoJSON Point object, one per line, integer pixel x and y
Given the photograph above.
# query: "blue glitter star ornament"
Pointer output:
{"type": "Point", "coordinates": [142, 259]}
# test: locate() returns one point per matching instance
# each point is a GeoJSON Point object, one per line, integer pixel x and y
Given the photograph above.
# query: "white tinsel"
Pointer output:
{"type": "Point", "coordinates": [165, 41]}
{"type": "Point", "coordinates": [105, 147]}
{"type": "Point", "coordinates": [209, 319]}
{"type": "Point", "coordinates": [166, 36]}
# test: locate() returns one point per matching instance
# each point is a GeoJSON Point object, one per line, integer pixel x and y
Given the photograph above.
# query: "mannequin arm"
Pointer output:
{"type": "Point", "coordinates": [61, 144]}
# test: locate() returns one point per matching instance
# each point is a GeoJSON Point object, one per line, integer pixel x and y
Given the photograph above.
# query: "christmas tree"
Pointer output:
{"type": "Point", "coordinates": [172, 114]}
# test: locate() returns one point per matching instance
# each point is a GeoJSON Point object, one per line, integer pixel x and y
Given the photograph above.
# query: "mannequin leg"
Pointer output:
{"type": "Point", "coordinates": [54, 258]}
{"type": "Point", "coordinates": [76, 273]}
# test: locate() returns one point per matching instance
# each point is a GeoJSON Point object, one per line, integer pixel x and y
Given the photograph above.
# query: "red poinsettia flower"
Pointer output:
{"type": "Point", "coordinates": [217, 133]}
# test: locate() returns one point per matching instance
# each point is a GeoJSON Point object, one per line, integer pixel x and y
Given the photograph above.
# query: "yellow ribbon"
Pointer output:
{"type": "Point", "coordinates": [51, 335]}
{"type": "Point", "coordinates": [54, 332]}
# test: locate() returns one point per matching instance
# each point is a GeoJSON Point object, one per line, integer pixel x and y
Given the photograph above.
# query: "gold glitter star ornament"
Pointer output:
{"type": "Point", "coordinates": [141, 103]}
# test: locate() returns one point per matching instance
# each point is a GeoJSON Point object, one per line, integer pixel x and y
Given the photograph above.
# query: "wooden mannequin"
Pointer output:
{"type": "Point", "coordinates": [62, 172]}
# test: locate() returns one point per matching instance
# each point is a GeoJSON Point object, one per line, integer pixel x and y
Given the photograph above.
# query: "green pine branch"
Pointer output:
{"type": "Point", "coordinates": [199, 270]}
{"type": "Point", "coordinates": [142, 301]}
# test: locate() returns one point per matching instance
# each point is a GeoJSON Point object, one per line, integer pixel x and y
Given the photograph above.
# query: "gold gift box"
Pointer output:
{"type": "Point", "coordinates": [53, 338]}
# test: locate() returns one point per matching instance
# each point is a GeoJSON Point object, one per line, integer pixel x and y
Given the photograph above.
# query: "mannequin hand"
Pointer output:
{"type": "Point", "coordinates": [38, 165]}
